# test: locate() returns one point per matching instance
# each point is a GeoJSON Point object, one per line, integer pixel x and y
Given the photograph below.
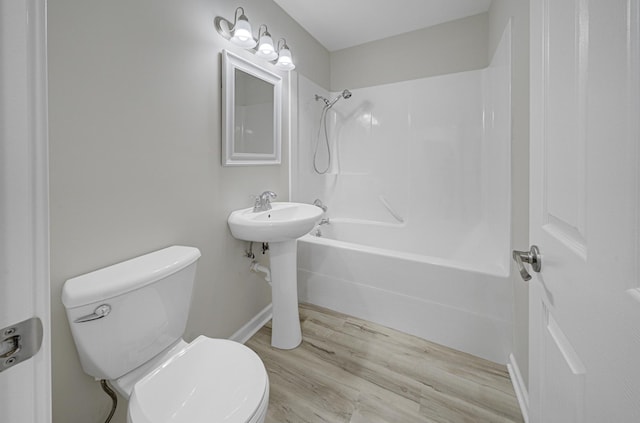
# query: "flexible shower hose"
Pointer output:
{"type": "Point", "coordinates": [322, 125]}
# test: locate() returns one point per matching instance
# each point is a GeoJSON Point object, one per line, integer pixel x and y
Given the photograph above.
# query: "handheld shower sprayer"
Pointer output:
{"type": "Point", "coordinates": [345, 94]}
{"type": "Point", "coordinates": [328, 104]}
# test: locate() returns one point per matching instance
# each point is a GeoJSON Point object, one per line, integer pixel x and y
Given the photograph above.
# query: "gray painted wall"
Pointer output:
{"type": "Point", "coordinates": [134, 114]}
{"type": "Point", "coordinates": [455, 46]}
{"type": "Point", "coordinates": [134, 110]}
{"type": "Point", "coordinates": [499, 14]}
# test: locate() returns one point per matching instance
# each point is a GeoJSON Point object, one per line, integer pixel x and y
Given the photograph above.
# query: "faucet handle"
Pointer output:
{"type": "Point", "coordinates": [268, 196]}
{"type": "Point", "coordinates": [263, 201]}
{"type": "Point", "coordinates": [318, 203]}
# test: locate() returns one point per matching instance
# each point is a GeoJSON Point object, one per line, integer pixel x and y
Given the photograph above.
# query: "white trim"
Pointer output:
{"type": "Point", "coordinates": [37, 36]}
{"type": "Point", "coordinates": [633, 47]}
{"type": "Point", "coordinates": [24, 203]}
{"type": "Point", "coordinates": [519, 386]}
{"type": "Point", "coordinates": [293, 134]}
{"type": "Point", "coordinates": [230, 63]}
{"type": "Point", "coordinates": [247, 331]}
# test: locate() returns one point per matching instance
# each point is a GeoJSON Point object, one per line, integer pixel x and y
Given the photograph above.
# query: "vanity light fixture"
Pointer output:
{"type": "Point", "coordinates": [239, 33]}
{"type": "Point", "coordinates": [265, 49]}
{"type": "Point", "coordinates": [284, 57]}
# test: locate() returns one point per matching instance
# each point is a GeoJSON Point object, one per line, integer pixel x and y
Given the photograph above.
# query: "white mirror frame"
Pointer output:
{"type": "Point", "coordinates": [231, 62]}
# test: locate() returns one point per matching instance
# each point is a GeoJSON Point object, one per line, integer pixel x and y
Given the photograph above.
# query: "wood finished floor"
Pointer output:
{"type": "Point", "coordinates": [353, 371]}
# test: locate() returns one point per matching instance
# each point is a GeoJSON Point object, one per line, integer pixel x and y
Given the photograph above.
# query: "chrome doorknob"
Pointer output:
{"type": "Point", "coordinates": [532, 257]}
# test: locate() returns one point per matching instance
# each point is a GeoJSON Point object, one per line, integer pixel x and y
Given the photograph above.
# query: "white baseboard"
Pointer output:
{"type": "Point", "coordinates": [247, 331]}
{"type": "Point", "coordinates": [519, 386]}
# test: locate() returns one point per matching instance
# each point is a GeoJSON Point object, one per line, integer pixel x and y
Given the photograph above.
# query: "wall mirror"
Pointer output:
{"type": "Point", "coordinates": [251, 113]}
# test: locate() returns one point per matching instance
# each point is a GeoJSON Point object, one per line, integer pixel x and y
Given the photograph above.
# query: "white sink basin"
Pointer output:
{"type": "Point", "coordinates": [284, 222]}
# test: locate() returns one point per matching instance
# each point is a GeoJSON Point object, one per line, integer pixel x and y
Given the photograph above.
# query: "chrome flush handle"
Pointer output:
{"type": "Point", "coordinates": [100, 312]}
{"type": "Point", "coordinates": [532, 257]}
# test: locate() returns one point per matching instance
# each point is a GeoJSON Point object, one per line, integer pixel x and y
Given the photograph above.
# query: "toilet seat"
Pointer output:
{"type": "Point", "coordinates": [209, 380]}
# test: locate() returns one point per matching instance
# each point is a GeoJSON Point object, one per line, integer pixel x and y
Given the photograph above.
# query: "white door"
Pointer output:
{"type": "Point", "coordinates": [585, 211]}
{"type": "Point", "coordinates": [25, 393]}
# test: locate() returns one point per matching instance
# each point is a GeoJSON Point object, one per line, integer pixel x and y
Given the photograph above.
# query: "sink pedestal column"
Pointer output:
{"type": "Point", "coordinates": [285, 333]}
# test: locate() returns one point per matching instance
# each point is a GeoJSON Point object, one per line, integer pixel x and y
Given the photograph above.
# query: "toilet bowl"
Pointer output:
{"type": "Point", "coordinates": [127, 321]}
{"type": "Point", "coordinates": [216, 378]}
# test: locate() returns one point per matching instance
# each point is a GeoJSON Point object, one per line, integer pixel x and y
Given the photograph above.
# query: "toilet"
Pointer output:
{"type": "Point", "coordinates": [127, 321]}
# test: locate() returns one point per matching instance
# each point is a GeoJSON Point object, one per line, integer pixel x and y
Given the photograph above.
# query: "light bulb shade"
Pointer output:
{"type": "Point", "coordinates": [284, 60]}
{"type": "Point", "coordinates": [242, 35]}
{"type": "Point", "coordinates": [266, 50]}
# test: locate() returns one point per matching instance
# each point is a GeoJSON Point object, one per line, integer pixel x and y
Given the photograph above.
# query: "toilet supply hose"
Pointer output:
{"type": "Point", "coordinates": [112, 395]}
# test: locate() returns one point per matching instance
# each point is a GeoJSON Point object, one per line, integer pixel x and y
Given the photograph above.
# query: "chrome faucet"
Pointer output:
{"type": "Point", "coordinates": [263, 201]}
{"type": "Point", "coordinates": [318, 203]}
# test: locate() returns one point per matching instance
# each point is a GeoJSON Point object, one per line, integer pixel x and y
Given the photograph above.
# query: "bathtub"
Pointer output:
{"type": "Point", "coordinates": [450, 288]}
{"type": "Point", "coordinates": [419, 199]}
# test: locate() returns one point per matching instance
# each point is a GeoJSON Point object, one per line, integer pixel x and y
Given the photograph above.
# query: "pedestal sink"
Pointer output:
{"type": "Point", "coordinates": [280, 227]}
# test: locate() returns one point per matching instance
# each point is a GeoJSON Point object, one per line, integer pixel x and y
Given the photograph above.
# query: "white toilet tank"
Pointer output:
{"type": "Point", "coordinates": [123, 315]}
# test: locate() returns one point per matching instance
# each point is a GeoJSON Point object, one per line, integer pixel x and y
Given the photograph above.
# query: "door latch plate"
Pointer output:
{"type": "Point", "coordinates": [20, 342]}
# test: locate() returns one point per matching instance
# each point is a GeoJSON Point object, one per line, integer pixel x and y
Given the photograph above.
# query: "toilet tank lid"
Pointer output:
{"type": "Point", "coordinates": [126, 276]}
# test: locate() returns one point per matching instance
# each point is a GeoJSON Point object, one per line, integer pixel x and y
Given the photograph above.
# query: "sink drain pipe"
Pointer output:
{"type": "Point", "coordinates": [257, 267]}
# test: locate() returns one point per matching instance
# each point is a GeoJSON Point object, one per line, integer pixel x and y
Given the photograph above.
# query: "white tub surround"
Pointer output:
{"type": "Point", "coordinates": [419, 200]}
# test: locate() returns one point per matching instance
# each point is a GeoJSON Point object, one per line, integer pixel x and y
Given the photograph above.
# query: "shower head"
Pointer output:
{"type": "Point", "coordinates": [345, 94]}
{"type": "Point", "coordinates": [329, 104]}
